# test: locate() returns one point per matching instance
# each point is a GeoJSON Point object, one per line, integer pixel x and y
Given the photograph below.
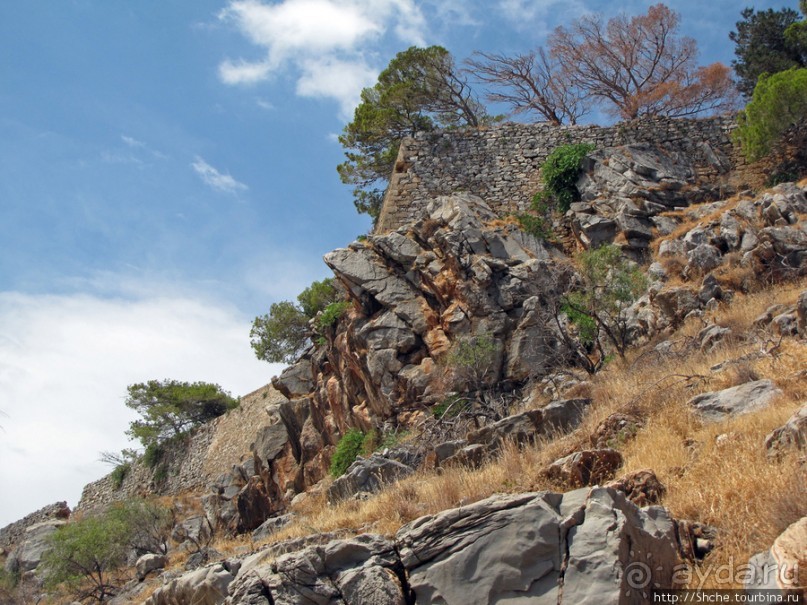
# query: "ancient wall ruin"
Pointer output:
{"type": "Point", "coordinates": [501, 164]}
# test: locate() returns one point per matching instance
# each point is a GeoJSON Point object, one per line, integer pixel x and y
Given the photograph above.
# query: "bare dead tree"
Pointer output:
{"type": "Point", "coordinates": [530, 82]}
{"type": "Point", "coordinates": [641, 66]}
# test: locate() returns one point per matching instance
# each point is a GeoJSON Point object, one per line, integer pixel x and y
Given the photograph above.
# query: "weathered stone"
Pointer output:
{"type": "Point", "coordinates": [271, 525]}
{"type": "Point", "coordinates": [205, 586]}
{"type": "Point", "coordinates": [642, 488]}
{"type": "Point", "coordinates": [297, 380]}
{"type": "Point", "coordinates": [34, 544]}
{"type": "Point", "coordinates": [676, 303]}
{"type": "Point", "coordinates": [782, 567]}
{"type": "Point", "coordinates": [791, 436]}
{"type": "Point", "coordinates": [711, 335]}
{"type": "Point", "coordinates": [801, 314]}
{"type": "Point", "coordinates": [360, 570]}
{"type": "Point", "coordinates": [704, 258]}
{"type": "Point", "coordinates": [470, 456]}
{"type": "Point", "coordinates": [577, 545]}
{"type": "Point", "coordinates": [148, 563]}
{"type": "Point", "coordinates": [367, 475]}
{"type": "Point", "coordinates": [615, 430]}
{"type": "Point", "coordinates": [742, 399]}
{"type": "Point", "coordinates": [588, 467]}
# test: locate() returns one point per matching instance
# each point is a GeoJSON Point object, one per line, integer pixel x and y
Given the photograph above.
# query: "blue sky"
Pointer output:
{"type": "Point", "coordinates": [167, 171]}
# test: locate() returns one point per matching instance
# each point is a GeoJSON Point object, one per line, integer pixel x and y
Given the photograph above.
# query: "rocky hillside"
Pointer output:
{"type": "Point", "coordinates": [457, 359]}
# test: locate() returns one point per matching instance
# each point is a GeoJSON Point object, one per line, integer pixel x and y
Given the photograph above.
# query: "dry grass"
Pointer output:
{"type": "Point", "coordinates": [726, 482]}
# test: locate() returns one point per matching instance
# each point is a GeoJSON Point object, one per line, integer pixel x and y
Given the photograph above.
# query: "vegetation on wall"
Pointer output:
{"type": "Point", "coordinates": [169, 408]}
{"type": "Point", "coordinates": [419, 90]}
{"type": "Point", "coordinates": [560, 173]}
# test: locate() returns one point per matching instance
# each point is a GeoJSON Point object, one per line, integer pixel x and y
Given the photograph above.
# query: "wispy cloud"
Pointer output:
{"type": "Point", "coordinates": [326, 43]}
{"type": "Point", "coordinates": [215, 179]}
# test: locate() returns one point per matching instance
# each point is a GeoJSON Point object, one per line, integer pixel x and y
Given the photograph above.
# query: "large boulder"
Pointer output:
{"type": "Point", "coordinates": [35, 541]}
{"type": "Point", "coordinates": [742, 399]}
{"type": "Point", "coordinates": [782, 567]}
{"type": "Point", "coordinates": [361, 570]}
{"type": "Point", "coordinates": [367, 475]}
{"type": "Point", "coordinates": [204, 586]}
{"type": "Point", "coordinates": [791, 436]}
{"type": "Point", "coordinates": [579, 547]}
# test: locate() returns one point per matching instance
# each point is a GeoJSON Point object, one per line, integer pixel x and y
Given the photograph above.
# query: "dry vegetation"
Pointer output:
{"type": "Point", "coordinates": [716, 474]}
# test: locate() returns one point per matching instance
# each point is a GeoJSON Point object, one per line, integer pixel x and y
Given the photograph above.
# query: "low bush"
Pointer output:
{"type": "Point", "coordinates": [331, 314]}
{"type": "Point", "coordinates": [350, 445]}
{"type": "Point", "coordinates": [560, 173]}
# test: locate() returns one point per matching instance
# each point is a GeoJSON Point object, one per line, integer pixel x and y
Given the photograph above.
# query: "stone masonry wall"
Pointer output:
{"type": "Point", "coordinates": [191, 464]}
{"type": "Point", "coordinates": [501, 164]}
{"type": "Point", "coordinates": [11, 534]}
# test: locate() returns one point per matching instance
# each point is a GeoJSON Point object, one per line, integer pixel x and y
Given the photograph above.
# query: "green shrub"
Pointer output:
{"type": "Point", "coordinates": [331, 314]}
{"type": "Point", "coordinates": [560, 173]}
{"type": "Point", "coordinates": [350, 445]}
{"type": "Point", "coordinates": [536, 223]}
{"type": "Point", "coordinates": [450, 407]}
{"type": "Point", "coordinates": [119, 474]}
{"type": "Point", "coordinates": [153, 454]}
{"type": "Point", "coordinates": [160, 474]}
{"type": "Point", "coordinates": [779, 102]}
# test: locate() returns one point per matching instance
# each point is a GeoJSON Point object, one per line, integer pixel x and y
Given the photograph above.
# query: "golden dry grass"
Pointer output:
{"type": "Point", "coordinates": [716, 474]}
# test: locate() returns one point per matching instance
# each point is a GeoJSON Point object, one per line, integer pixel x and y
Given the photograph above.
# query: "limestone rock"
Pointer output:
{"type": "Point", "coordinates": [204, 586]}
{"type": "Point", "coordinates": [577, 549]}
{"type": "Point", "coordinates": [360, 570]}
{"type": "Point", "coordinates": [801, 313]}
{"type": "Point", "coordinates": [782, 567]}
{"type": "Point", "coordinates": [367, 475]}
{"type": "Point", "coordinates": [793, 435]}
{"type": "Point", "coordinates": [28, 554]}
{"type": "Point", "coordinates": [148, 563]}
{"type": "Point", "coordinates": [742, 399]}
{"type": "Point", "coordinates": [642, 488]}
{"type": "Point", "coordinates": [588, 467]}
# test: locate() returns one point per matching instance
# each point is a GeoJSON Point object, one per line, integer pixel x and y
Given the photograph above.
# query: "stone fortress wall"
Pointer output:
{"type": "Point", "coordinates": [191, 464]}
{"type": "Point", "coordinates": [501, 164]}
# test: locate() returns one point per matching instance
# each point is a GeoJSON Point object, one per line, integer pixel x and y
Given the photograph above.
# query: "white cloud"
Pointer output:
{"type": "Point", "coordinates": [65, 363]}
{"type": "Point", "coordinates": [215, 179]}
{"type": "Point", "coordinates": [327, 39]}
{"type": "Point", "coordinates": [330, 77]}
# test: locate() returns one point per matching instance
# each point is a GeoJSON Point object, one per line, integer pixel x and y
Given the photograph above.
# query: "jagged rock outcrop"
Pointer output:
{"type": "Point", "coordinates": [32, 546]}
{"type": "Point", "coordinates": [625, 189]}
{"type": "Point", "coordinates": [456, 274]}
{"type": "Point", "coordinates": [586, 546]}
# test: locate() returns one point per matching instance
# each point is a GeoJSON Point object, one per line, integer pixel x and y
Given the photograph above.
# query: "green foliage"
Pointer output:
{"type": "Point", "coordinates": [83, 556]}
{"type": "Point", "coordinates": [537, 223]}
{"type": "Point", "coordinates": [153, 454]}
{"type": "Point", "coordinates": [472, 360]}
{"type": "Point", "coordinates": [765, 43]}
{"type": "Point", "coordinates": [332, 313]}
{"type": "Point", "coordinates": [779, 101]}
{"type": "Point", "coordinates": [349, 447]}
{"type": "Point", "coordinates": [282, 335]}
{"type": "Point", "coordinates": [450, 407]}
{"type": "Point", "coordinates": [610, 285]}
{"type": "Point", "coordinates": [317, 297]}
{"type": "Point", "coordinates": [119, 474]}
{"type": "Point", "coordinates": [168, 408]}
{"type": "Point", "coordinates": [560, 173]}
{"type": "Point", "coordinates": [149, 524]}
{"type": "Point", "coordinates": [419, 90]}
